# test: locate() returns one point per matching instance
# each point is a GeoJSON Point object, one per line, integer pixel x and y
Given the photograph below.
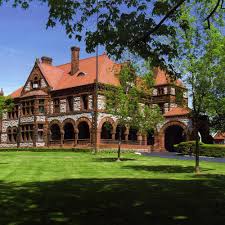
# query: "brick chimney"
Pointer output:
{"type": "Point", "coordinates": [1, 92]}
{"type": "Point", "coordinates": [75, 54]}
{"type": "Point", "coordinates": [46, 60]}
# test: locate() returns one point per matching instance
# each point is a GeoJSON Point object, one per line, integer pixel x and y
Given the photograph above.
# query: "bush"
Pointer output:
{"type": "Point", "coordinates": [210, 150]}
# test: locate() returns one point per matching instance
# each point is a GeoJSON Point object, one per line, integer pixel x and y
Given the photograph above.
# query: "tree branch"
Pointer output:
{"type": "Point", "coordinates": [163, 19]}
{"type": "Point", "coordinates": [213, 11]}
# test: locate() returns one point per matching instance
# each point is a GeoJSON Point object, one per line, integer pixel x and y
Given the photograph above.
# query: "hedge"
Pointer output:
{"type": "Point", "coordinates": [210, 150]}
{"type": "Point", "coordinates": [63, 150]}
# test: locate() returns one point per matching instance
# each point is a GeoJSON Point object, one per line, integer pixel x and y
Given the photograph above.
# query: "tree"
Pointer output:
{"type": "Point", "coordinates": [203, 64]}
{"type": "Point", "coordinates": [127, 103]}
{"type": "Point", "coordinates": [147, 28]}
{"type": "Point", "coordinates": [6, 105]}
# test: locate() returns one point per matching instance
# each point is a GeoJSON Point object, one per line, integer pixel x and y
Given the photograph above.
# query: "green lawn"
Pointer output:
{"type": "Point", "coordinates": [86, 189]}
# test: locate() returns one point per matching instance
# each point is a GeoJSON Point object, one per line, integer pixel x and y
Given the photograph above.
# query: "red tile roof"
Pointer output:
{"type": "Point", "coordinates": [178, 111]}
{"type": "Point", "coordinates": [162, 78]}
{"type": "Point", "coordinates": [35, 93]}
{"type": "Point", "coordinates": [219, 136]}
{"type": "Point", "coordinates": [17, 93]}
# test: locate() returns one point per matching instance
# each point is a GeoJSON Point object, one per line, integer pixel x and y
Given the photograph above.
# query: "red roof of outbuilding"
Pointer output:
{"type": "Point", "coordinates": [219, 136]}
{"type": "Point", "coordinates": [178, 111]}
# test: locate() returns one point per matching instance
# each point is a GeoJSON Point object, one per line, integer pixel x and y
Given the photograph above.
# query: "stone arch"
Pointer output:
{"type": "Point", "coordinates": [83, 126]}
{"type": "Point", "coordinates": [69, 129]}
{"type": "Point", "coordinates": [107, 119]}
{"type": "Point", "coordinates": [55, 130]}
{"type": "Point", "coordinates": [162, 136]}
{"type": "Point", "coordinates": [9, 134]}
{"type": "Point", "coordinates": [124, 134]}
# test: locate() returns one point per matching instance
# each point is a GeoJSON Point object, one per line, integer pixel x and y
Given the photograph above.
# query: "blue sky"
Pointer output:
{"type": "Point", "coordinates": [23, 38]}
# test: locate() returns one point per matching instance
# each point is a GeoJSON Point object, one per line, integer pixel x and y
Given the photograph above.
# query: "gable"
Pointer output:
{"type": "Point", "coordinates": [35, 81]}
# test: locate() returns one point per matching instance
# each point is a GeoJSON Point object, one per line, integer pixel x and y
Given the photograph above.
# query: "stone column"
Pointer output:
{"type": "Point", "coordinates": [139, 138]}
{"type": "Point", "coordinates": [113, 136]}
{"type": "Point", "coordinates": [76, 131]}
{"type": "Point", "coordinates": [62, 139]}
{"type": "Point", "coordinates": [145, 139]}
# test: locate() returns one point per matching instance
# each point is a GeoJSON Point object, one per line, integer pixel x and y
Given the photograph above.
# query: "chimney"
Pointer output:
{"type": "Point", "coordinates": [46, 60]}
{"type": "Point", "coordinates": [75, 53]}
{"type": "Point", "coordinates": [1, 92]}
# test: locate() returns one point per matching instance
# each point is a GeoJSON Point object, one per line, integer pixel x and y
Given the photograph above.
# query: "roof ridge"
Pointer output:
{"type": "Point", "coordinates": [103, 54]}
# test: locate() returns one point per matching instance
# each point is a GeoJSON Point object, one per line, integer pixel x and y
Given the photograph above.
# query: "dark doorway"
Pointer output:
{"type": "Point", "coordinates": [69, 131]}
{"type": "Point", "coordinates": [106, 132]}
{"type": "Point", "coordinates": [55, 132]}
{"type": "Point", "coordinates": [132, 134]}
{"type": "Point", "coordinates": [150, 137]}
{"type": "Point", "coordinates": [122, 133]}
{"type": "Point", "coordinates": [84, 132]}
{"type": "Point", "coordinates": [173, 135]}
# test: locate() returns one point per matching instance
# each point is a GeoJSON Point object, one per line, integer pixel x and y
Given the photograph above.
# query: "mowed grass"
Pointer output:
{"type": "Point", "coordinates": [84, 189]}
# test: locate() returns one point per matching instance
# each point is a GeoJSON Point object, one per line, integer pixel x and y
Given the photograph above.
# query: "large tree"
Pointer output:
{"type": "Point", "coordinates": [6, 104]}
{"type": "Point", "coordinates": [147, 28]}
{"type": "Point", "coordinates": [130, 104]}
{"type": "Point", "coordinates": [202, 61]}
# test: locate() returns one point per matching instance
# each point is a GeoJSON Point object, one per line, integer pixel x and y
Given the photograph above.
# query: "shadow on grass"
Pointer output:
{"type": "Point", "coordinates": [112, 159]}
{"type": "Point", "coordinates": [165, 168]}
{"type": "Point", "coordinates": [114, 202]}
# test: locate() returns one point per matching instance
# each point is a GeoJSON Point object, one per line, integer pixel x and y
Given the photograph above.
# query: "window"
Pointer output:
{"type": "Point", "coordinates": [14, 113]}
{"type": "Point", "coordinates": [41, 106]}
{"type": "Point", "coordinates": [81, 74]}
{"type": "Point", "coordinates": [84, 102]}
{"type": "Point", "coordinates": [40, 136]}
{"type": "Point", "coordinates": [36, 83]}
{"type": "Point", "coordinates": [12, 135]}
{"type": "Point", "coordinates": [160, 91]}
{"type": "Point", "coordinates": [161, 106]}
{"type": "Point", "coordinates": [70, 106]}
{"type": "Point", "coordinates": [28, 108]}
{"type": "Point", "coordinates": [56, 105]}
{"type": "Point", "coordinates": [27, 133]}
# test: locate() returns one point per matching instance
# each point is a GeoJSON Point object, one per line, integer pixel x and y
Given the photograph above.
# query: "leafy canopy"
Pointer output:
{"type": "Point", "coordinates": [147, 28]}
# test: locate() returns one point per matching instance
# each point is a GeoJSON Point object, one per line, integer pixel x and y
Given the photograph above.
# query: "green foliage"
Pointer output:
{"type": "Point", "coordinates": [6, 104]}
{"type": "Point", "coordinates": [130, 25]}
{"type": "Point", "coordinates": [210, 150]}
{"type": "Point", "coordinates": [126, 102]}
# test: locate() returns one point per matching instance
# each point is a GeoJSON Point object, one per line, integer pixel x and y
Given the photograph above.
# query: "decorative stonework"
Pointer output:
{"type": "Point", "coordinates": [9, 123]}
{"type": "Point", "coordinates": [90, 102]}
{"type": "Point", "coordinates": [101, 116]}
{"type": "Point", "coordinates": [27, 87]}
{"type": "Point", "coordinates": [40, 118]}
{"type": "Point", "coordinates": [4, 145]}
{"type": "Point", "coordinates": [26, 145]}
{"type": "Point", "coordinates": [4, 116]}
{"type": "Point", "coordinates": [29, 119]}
{"type": "Point", "coordinates": [101, 102]}
{"type": "Point", "coordinates": [51, 107]}
{"type": "Point", "coordinates": [154, 92]}
{"type": "Point", "coordinates": [172, 91]}
{"type": "Point", "coordinates": [62, 105]}
{"type": "Point", "coordinates": [166, 107]}
{"type": "Point", "coordinates": [173, 105]}
{"type": "Point", "coordinates": [73, 117]}
{"type": "Point", "coordinates": [40, 144]}
{"type": "Point", "coordinates": [43, 83]}
{"type": "Point", "coordinates": [165, 90]}
{"type": "Point", "coordinates": [76, 103]}
{"type": "Point", "coordinates": [4, 138]}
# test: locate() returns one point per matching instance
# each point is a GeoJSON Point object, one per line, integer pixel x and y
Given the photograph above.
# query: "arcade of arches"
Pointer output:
{"type": "Point", "coordinates": [80, 132]}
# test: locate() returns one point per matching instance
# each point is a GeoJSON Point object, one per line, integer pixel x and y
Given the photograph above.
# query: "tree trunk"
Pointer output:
{"type": "Point", "coordinates": [197, 168]}
{"type": "Point", "coordinates": [119, 144]}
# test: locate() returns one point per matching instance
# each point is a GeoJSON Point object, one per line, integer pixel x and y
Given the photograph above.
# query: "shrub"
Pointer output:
{"type": "Point", "coordinates": [210, 150]}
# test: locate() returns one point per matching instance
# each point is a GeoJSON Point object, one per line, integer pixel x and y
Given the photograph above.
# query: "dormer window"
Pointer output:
{"type": "Point", "coordinates": [36, 83]}
{"type": "Point", "coordinates": [81, 74]}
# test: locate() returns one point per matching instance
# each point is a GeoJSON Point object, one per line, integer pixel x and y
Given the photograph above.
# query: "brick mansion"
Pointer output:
{"type": "Point", "coordinates": [55, 107]}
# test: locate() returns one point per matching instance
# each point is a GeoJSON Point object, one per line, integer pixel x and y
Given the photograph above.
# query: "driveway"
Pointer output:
{"type": "Point", "coordinates": [174, 155]}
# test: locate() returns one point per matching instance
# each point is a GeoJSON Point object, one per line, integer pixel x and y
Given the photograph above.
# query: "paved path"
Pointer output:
{"type": "Point", "coordinates": [174, 155]}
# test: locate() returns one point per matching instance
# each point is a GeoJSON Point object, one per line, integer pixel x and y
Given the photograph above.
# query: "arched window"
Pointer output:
{"type": "Point", "coordinates": [9, 135]}
{"type": "Point", "coordinates": [106, 132]}
{"type": "Point", "coordinates": [84, 132]}
{"type": "Point", "coordinates": [69, 131]}
{"type": "Point", "coordinates": [132, 134]}
{"type": "Point", "coordinates": [55, 132]}
{"type": "Point", "coordinates": [122, 133]}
